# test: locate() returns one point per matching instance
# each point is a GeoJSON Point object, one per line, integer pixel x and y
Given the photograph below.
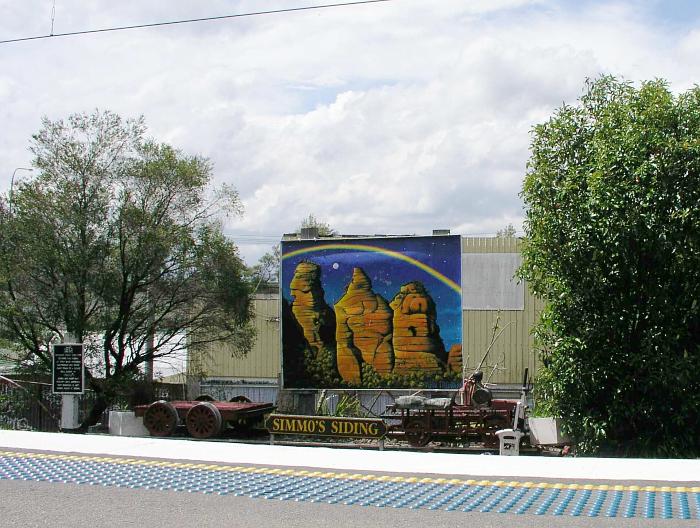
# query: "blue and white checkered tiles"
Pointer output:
{"type": "Point", "coordinates": [380, 491]}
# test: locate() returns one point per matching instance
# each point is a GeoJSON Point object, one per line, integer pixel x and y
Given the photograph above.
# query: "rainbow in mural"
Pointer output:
{"type": "Point", "coordinates": [371, 312]}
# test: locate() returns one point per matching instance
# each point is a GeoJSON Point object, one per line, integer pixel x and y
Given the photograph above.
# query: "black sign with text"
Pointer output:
{"type": "Point", "coordinates": [325, 426]}
{"type": "Point", "coordinates": [68, 368]}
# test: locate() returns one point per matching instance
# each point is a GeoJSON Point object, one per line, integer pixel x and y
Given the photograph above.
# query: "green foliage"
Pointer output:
{"type": "Point", "coordinates": [420, 379]}
{"type": "Point", "coordinates": [543, 395]}
{"type": "Point", "coordinates": [265, 274]}
{"type": "Point", "coordinates": [507, 232]}
{"type": "Point", "coordinates": [119, 237]}
{"type": "Point", "coordinates": [348, 406]}
{"type": "Point", "coordinates": [370, 377]}
{"type": "Point", "coordinates": [320, 369]}
{"type": "Point", "coordinates": [613, 246]}
{"type": "Point", "coordinates": [372, 380]}
{"type": "Point", "coordinates": [324, 229]}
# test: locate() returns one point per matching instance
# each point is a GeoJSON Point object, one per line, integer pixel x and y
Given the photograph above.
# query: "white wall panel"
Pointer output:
{"type": "Point", "coordinates": [489, 283]}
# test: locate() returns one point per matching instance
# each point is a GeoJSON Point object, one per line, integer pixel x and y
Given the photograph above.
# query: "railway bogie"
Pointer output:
{"type": "Point", "coordinates": [203, 417]}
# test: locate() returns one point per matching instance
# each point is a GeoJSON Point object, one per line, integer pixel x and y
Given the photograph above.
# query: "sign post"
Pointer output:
{"type": "Point", "coordinates": [68, 380]}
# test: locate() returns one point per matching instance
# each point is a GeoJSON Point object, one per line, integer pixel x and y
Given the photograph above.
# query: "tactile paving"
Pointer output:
{"type": "Point", "coordinates": [380, 491]}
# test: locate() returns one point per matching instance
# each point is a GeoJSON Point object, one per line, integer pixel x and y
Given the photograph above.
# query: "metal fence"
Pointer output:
{"type": "Point", "coordinates": [32, 406]}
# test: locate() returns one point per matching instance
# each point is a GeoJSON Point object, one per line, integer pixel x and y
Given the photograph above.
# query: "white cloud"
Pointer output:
{"type": "Point", "coordinates": [397, 117]}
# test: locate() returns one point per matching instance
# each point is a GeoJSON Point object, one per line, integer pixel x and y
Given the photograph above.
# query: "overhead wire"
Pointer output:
{"type": "Point", "coordinates": [188, 21]}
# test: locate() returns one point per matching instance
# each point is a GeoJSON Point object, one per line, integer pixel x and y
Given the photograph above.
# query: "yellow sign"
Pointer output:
{"type": "Point", "coordinates": [325, 426]}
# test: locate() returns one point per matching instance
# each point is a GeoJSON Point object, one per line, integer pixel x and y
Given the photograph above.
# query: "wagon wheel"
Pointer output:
{"type": "Point", "coordinates": [416, 433]}
{"type": "Point", "coordinates": [239, 399]}
{"type": "Point", "coordinates": [204, 397]}
{"type": "Point", "coordinates": [160, 418]}
{"type": "Point", "coordinates": [491, 424]}
{"type": "Point", "coordinates": [204, 420]}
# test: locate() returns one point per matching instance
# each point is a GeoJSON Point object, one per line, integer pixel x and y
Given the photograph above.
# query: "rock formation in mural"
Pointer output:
{"type": "Point", "coordinates": [315, 317]}
{"type": "Point", "coordinates": [364, 330]}
{"type": "Point", "coordinates": [417, 342]}
{"type": "Point", "coordinates": [454, 359]}
{"type": "Point", "coordinates": [294, 343]}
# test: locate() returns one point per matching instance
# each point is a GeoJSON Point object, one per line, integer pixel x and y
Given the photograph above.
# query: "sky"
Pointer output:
{"type": "Point", "coordinates": [397, 117]}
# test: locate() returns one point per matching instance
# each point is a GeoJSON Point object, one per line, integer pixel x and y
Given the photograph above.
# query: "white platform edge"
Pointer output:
{"type": "Point", "coordinates": [462, 465]}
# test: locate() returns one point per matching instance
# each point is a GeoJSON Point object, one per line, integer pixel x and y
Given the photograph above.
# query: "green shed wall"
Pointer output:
{"type": "Point", "coordinates": [513, 351]}
{"type": "Point", "coordinates": [263, 361]}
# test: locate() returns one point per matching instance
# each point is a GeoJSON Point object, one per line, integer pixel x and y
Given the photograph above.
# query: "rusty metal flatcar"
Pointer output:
{"type": "Point", "coordinates": [203, 419]}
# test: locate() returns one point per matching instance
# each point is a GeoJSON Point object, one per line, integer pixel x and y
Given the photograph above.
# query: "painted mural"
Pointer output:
{"type": "Point", "coordinates": [372, 312]}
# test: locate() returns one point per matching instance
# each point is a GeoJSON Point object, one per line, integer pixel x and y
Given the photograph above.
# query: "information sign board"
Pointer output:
{"type": "Point", "coordinates": [68, 371]}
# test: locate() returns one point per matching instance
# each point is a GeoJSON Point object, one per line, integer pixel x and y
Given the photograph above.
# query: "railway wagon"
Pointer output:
{"type": "Point", "coordinates": [471, 415]}
{"type": "Point", "coordinates": [203, 419]}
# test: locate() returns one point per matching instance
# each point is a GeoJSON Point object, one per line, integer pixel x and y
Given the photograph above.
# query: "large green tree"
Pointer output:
{"type": "Point", "coordinates": [117, 242]}
{"type": "Point", "coordinates": [613, 245]}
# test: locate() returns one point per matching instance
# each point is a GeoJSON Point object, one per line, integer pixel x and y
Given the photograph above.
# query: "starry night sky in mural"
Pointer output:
{"type": "Point", "coordinates": [338, 257]}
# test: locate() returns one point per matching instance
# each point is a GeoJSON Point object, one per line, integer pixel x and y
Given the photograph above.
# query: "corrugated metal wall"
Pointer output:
{"type": "Point", "coordinates": [256, 393]}
{"type": "Point", "coordinates": [513, 350]}
{"type": "Point", "coordinates": [263, 361]}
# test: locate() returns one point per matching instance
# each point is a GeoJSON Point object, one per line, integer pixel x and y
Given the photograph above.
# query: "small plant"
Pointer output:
{"type": "Point", "coordinates": [348, 405]}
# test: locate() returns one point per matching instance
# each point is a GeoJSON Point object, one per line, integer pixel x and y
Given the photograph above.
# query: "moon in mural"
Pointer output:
{"type": "Point", "coordinates": [335, 265]}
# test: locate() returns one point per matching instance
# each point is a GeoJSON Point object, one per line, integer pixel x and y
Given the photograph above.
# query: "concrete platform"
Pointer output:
{"type": "Point", "coordinates": [458, 465]}
{"type": "Point", "coordinates": [575, 489]}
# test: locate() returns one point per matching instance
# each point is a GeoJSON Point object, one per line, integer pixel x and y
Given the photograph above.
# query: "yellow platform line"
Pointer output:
{"type": "Point", "coordinates": [347, 476]}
